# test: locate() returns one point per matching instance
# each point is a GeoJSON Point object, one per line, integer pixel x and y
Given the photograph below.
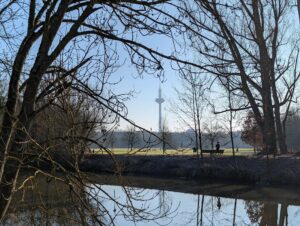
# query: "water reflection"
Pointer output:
{"type": "Point", "coordinates": [45, 201]}
{"type": "Point", "coordinates": [61, 200]}
{"type": "Point", "coordinates": [255, 206]}
{"type": "Point", "coordinates": [50, 202]}
{"type": "Point", "coordinates": [267, 213]}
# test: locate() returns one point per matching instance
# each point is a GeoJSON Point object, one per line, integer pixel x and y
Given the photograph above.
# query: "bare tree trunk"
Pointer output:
{"type": "Point", "coordinates": [279, 124]}
{"type": "Point", "coordinates": [196, 139]}
{"type": "Point", "coordinates": [270, 215]}
{"type": "Point", "coordinates": [280, 136]}
{"type": "Point", "coordinates": [234, 212]}
{"type": "Point", "coordinates": [199, 132]}
{"type": "Point", "coordinates": [283, 214]}
{"type": "Point", "coordinates": [202, 206]}
{"type": "Point", "coordinates": [266, 93]}
{"type": "Point", "coordinates": [10, 177]}
{"type": "Point", "coordinates": [230, 119]}
{"type": "Point", "coordinates": [279, 128]}
{"type": "Point", "coordinates": [13, 89]}
{"type": "Point", "coordinates": [269, 135]}
{"type": "Point", "coordinates": [198, 209]}
{"type": "Point", "coordinates": [231, 136]}
{"type": "Point", "coordinates": [194, 101]}
{"type": "Point", "coordinates": [298, 3]}
{"type": "Point", "coordinates": [164, 142]}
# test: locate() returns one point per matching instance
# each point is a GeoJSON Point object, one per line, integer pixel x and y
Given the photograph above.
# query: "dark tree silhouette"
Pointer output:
{"type": "Point", "coordinates": [53, 46]}
{"type": "Point", "coordinates": [247, 38]}
{"type": "Point", "coordinates": [251, 133]}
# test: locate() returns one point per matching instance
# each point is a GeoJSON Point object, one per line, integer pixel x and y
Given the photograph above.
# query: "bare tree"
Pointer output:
{"type": "Point", "coordinates": [298, 5]}
{"type": "Point", "coordinates": [213, 132]}
{"type": "Point", "coordinates": [226, 84]}
{"type": "Point", "coordinates": [190, 103]}
{"type": "Point", "coordinates": [66, 127]}
{"type": "Point", "coordinates": [166, 137]}
{"type": "Point", "coordinates": [67, 45]}
{"type": "Point", "coordinates": [131, 137]}
{"type": "Point", "coordinates": [251, 39]}
{"type": "Point", "coordinates": [251, 133]}
{"type": "Point", "coordinates": [292, 130]}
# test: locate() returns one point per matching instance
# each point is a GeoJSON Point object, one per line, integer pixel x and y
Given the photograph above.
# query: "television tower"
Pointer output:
{"type": "Point", "coordinates": [159, 100]}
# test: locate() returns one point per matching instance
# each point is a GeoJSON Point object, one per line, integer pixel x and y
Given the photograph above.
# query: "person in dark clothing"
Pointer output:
{"type": "Point", "coordinates": [217, 146]}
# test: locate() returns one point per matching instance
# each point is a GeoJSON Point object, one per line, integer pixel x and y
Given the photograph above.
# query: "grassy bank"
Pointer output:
{"type": "Point", "coordinates": [158, 151]}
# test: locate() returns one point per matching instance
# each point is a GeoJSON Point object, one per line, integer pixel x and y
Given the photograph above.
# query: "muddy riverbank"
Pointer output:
{"type": "Point", "coordinates": [252, 170]}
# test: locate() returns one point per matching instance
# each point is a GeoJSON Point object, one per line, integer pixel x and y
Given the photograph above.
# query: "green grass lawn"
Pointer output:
{"type": "Point", "coordinates": [157, 151]}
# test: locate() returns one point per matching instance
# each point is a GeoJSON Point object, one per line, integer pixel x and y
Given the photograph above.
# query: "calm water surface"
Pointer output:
{"type": "Point", "coordinates": [124, 202]}
{"type": "Point", "coordinates": [198, 209]}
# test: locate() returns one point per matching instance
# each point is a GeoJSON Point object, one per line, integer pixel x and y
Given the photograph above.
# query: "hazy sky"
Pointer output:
{"type": "Point", "coordinates": [142, 108]}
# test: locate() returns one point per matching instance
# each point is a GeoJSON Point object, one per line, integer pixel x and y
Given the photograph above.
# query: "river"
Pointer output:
{"type": "Point", "coordinates": [147, 201]}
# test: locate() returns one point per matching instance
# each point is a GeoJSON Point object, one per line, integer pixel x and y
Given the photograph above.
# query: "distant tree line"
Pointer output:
{"type": "Point", "coordinates": [132, 140]}
{"type": "Point", "coordinates": [251, 134]}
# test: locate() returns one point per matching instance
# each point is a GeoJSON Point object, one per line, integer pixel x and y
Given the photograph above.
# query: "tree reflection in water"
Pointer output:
{"type": "Point", "coordinates": [266, 213]}
{"type": "Point", "coordinates": [49, 200]}
{"type": "Point", "coordinates": [250, 206]}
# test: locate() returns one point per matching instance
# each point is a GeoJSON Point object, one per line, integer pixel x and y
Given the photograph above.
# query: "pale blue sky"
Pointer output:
{"type": "Point", "coordinates": [142, 108]}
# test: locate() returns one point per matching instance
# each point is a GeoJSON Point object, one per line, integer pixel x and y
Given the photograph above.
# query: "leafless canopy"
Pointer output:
{"type": "Point", "coordinates": [254, 46]}
{"type": "Point", "coordinates": [57, 58]}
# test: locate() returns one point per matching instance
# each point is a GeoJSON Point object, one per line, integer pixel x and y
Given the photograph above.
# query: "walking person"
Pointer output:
{"type": "Point", "coordinates": [218, 146]}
